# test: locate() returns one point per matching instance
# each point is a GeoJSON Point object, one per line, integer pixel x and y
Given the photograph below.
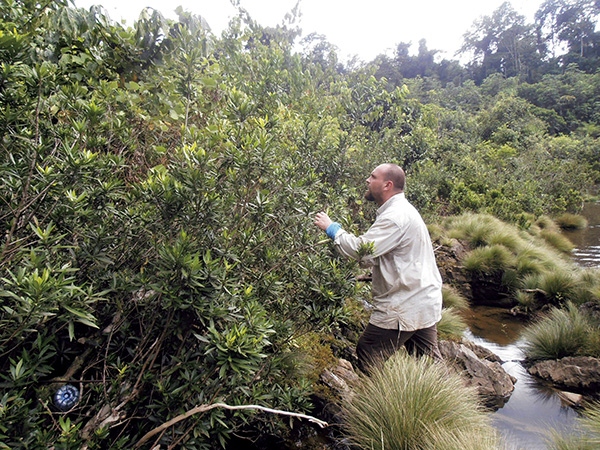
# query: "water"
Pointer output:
{"type": "Point", "coordinates": [533, 411]}
{"type": "Point", "coordinates": [587, 241]}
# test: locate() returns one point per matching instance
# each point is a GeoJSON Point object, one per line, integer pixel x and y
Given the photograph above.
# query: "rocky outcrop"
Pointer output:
{"type": "Point", "coordinates": [576, 373]}
{"type": "Point", "coordinates": [449, 261]}
{"type": "Point", "coordinates": [490, 379]}
{"type": "Point", "coordinates": [340, 378]}
{"type": "Point", "coordinates": [478, 288]}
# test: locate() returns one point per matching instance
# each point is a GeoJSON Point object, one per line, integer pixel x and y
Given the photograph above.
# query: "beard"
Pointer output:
{"type": "Point", "coordinates": [369, 196]}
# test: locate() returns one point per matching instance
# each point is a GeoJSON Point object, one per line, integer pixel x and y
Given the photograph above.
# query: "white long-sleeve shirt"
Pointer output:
{"type": "Point", "coordinates": [407, 286]}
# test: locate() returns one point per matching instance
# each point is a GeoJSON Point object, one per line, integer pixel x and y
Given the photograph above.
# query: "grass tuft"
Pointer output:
{"type": "Point", "coordinates": [412, 403]}
{"type": "Point", "coordinates": [558, 286]}
{"type": "Point", "coordinates": [568, 221]}
{"type": "Point", "coordinates": [452, 325]}
{"type": "Point", "coordinates": [526, 300]}
{"type": "Point", "coordinates": [490, 259]}
{"type": "Point", "coordinates": [563, 332]}
{"type": "Point", "coordinates": [453, 299]}
{"type": "Point", "coordinates": [546, 223]}
{"type": "Point", "coordinates": [557, 240]}
{"type": "Point", "coordinates": [588, 437]}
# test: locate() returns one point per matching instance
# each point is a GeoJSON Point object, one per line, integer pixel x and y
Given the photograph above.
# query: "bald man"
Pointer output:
{"type": "Point", "coordinates": [407, 286]}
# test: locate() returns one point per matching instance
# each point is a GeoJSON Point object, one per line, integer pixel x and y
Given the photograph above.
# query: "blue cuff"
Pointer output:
{"type": "Point", "coordinates": [333, 229]}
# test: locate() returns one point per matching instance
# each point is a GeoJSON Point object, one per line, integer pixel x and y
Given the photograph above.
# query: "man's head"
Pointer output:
{"type": "Point", "coordinates": [384, 182]}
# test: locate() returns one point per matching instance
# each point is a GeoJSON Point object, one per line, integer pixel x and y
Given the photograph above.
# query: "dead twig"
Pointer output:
{"type": "Point", "coordinates": [205, 408]}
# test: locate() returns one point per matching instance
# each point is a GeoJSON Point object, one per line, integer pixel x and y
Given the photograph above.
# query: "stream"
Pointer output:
{"type": "Point", "coordinates": [533, 410]}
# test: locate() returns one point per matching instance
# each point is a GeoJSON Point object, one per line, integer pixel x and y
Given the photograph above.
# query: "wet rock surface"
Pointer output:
{"type": "Point", "coordinates": [580, 374]}
{"type": "Point", "coordinates": [480, 369]}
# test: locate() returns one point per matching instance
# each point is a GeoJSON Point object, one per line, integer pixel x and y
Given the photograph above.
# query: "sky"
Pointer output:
{"type": "Point", "coordinates": [364, 28]}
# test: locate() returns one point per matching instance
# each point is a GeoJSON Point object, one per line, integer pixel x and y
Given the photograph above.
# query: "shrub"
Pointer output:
{"type": "Point", "coordinates": [412, 403]}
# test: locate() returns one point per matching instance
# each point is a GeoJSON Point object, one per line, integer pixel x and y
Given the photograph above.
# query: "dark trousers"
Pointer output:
{"type": "Point", "coordinates": [377, 344]}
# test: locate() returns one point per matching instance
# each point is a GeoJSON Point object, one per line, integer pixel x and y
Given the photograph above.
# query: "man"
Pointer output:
{"type": "Point", "coordinates": [407, 286]}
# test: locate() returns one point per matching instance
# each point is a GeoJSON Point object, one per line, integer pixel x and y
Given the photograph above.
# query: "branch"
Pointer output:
{"type": "Point", "coordinates": [204, 408]}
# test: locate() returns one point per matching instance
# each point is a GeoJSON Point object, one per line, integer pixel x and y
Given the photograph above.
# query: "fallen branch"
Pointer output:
{"type": "Point", "coordinates": [204, 408]}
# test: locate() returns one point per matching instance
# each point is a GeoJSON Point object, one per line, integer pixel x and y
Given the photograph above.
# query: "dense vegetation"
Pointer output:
{"type": "Point", "coordinates": [158, 189]}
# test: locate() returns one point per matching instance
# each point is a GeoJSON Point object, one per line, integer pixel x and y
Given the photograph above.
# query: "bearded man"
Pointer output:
{"type": "Point", "coordinates": [407, 286]}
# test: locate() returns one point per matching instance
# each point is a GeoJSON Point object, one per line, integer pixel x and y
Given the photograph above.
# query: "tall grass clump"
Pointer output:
{"type": "Point", "coordinates": [530, 261]}
{"type": "Point", "coordinates": [557, 240]}
{"type": "Point", "coordinates": [494, 258]}
{"type": "Point", "coordinates": [568, 221]}
{"type": "Point", "coordinates": [588, 436]}
{"type": "Point", "coordinates": [453, 299]}
{"type": "Point", "coordinates": [452, 325]}
{"type": "Point", "coordinates": [563, 332]}
{"type": "Point", "coordinates": [412, 403]}
{"type": "Point", "coordinates": [476, 229]}
{"type": "Point", "coordinates": [558, 286]}
{"type": "Point", "coordinates": [546, 223]}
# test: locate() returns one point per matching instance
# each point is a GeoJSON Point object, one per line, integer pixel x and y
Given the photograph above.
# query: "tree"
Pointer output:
{"type": "Point", "coordinates": [571, 23]}
{"type": "Point", "coordinates": [501, 43]}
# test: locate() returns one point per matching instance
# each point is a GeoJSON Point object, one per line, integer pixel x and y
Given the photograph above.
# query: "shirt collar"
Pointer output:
{"type": "Point", "coordinates": [390, 201]}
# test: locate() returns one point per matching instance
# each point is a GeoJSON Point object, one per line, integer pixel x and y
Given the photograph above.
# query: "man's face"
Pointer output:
{"type": "Point", "coordinates": [375, 184]}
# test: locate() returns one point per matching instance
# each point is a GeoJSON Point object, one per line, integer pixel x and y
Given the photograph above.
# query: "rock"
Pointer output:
{"type": "Point", "coordinates": [340, 378]}
{"type": "Point", "coordinates": [569, 398]}
{"type": "Point", "coordinates": [478, 288]}
{"type": "Point", "coordinates": [449, 261]}
{"type": "Point", "coordinates": [490, 379]}
{"type": "Point", "coordinates": [482, 352]}
{"type": "Point", "coordinates": [578, 373]}
{"type": "Point", "coordinates": [490, 290]}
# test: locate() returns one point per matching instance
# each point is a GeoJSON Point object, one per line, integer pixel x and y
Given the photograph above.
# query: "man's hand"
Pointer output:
{"type": "Point", "coordinates": [322, 220]}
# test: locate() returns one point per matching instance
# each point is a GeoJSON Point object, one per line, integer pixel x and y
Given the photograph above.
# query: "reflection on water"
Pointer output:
{"type": "Point", "coordinates": [533, 410]}
{"type": "Point", "coordinates": [587, 241]}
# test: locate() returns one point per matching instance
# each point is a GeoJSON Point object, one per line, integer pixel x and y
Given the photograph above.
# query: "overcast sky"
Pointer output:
{"type": "Point", "coordinates": [365, 28]}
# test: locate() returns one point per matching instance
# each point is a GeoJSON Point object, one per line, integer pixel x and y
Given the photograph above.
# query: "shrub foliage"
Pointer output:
{"type": "Point", "coordinates": [158, 189]}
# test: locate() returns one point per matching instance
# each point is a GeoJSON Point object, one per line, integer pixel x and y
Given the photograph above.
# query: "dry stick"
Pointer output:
{"type": "Point", "coordinates": [204, 408]}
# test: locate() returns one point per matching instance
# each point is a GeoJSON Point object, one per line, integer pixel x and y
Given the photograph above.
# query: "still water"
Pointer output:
{"type": "Point", "coordinates": [534, 410]}
{"type": "Point", "coordinates": [587, 241]}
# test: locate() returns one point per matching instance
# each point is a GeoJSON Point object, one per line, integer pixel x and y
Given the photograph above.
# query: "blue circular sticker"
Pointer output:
{"type": "Point", "coordinates": [66, 397]}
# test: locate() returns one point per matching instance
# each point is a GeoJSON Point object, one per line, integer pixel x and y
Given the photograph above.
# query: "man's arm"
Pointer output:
{"type": "Point", "coordinates": [383, 234]}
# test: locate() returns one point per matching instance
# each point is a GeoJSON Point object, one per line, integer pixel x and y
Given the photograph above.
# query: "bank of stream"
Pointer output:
{"type": "Point", "coordinates": [534, 409]}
